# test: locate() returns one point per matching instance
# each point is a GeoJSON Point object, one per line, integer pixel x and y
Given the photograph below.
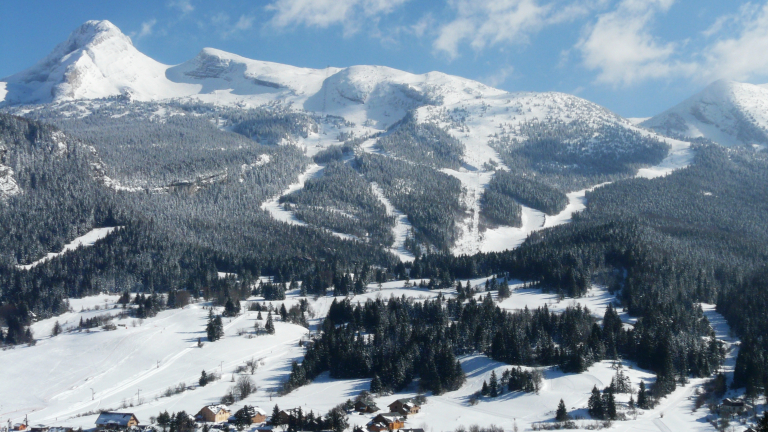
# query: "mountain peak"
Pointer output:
{"type": "Point", "coordinates": [97, 60]}
{"type": "Point", "coordinates": [94, 32]}
{"type": "Point", "coordinates": [727, 112]}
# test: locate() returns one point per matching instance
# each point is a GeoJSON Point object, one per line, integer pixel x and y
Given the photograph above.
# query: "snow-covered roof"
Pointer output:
{"type": "Point", "coordinates": [120, 419]}
{"type": "Point", "coordinates": [217, 408]}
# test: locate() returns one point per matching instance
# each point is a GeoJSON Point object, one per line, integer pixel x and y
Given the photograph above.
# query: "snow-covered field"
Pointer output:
{"type": "Point", "coordinates": [64, 380]}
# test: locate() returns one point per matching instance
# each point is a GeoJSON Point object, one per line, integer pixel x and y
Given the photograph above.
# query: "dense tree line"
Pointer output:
{"type": "Point", "coordinates": [574, 155]}
{"type": "Point", "coordinates": [498, 208]}
{"type": "Point", "coordinates": [343, 201]}
{"type": "Point", "coordinates": [430, 198]}
{"type": "Point", "coordinates": [422, 143]}
{"type": "Point", "coordinates": [392, 342]}
{"type": "Point", "coordinates": [528, 192]}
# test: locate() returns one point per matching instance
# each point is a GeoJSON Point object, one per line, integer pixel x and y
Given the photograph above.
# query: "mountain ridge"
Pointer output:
{"type": "Point", "coordinates": [727, 112]}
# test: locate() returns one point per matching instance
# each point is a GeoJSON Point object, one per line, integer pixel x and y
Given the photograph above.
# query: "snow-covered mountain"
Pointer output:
{"type": "Point", "coordinates": [726, 112]}
{"type": "Point", "coordinates": [96, 61]}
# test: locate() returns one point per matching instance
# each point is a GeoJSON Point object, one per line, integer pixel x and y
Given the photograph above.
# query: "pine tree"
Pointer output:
{"type": "Point", "coordinates": [595, 404]}
{"type": "Point", "coordinates": [269, 326]}
{"type": "Point", "coordinates": [642, 399]}
{"type": "Point", "coordinates": [219, 327]}
{"type": "Point", "coordinates": [493, 387]}
{"type": "Point", "coordinates": [283, 312]}
{"type": "Point", "coordinates": [276, 416]}
{"type": "Point", "coordinates": [484, 390]}
{"type": "Point", "coordinates": [376, 386]}
{"type": "Point", "coordinates": [609, 404]}
{"type": "Point", "coordinates": [504, 291]}
{"type": "Point", "coordinates": [562, 413]}
{"type": "Point", "coordinates": [258, 317]}
{"type": "Point", "coordinates": [56, 329]}
{"type": "Point", "coordinates": [203, 379]}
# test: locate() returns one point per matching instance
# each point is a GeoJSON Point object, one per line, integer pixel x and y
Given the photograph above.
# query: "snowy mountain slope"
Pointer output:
{"type": "Point", "coordinates": [726, 112]}
{"type": "Point", "coordinates": [96, 61]}
{"type": "Point", "coordinates": [213, 70]}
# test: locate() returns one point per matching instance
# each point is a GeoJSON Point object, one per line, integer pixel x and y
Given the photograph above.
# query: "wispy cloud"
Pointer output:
{"type": "Point", "coordinates": [184, 6]}
{"type": "Point", "coordinates": [147, 28]}
{"type": "Point", "coordinates": [621, 48]}
{"type": "Point", "coordinates": [739, 51]}
{"type": "Point", "coordinates": [499, 77]}
{"type": "Point", "coordinates": [350, 14]}
{"type": "Point", "coordinates": [226, 27]}
{"type": "Point", "coordinates": [488, 23]}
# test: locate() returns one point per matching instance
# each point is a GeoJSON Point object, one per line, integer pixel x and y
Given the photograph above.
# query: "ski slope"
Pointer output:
{"type": "Point", "coordinates": [85, 240]}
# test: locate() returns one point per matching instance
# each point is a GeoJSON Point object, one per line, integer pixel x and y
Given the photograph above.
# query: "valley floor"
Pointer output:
{"type": "Point", "coordinates": [65, 380]}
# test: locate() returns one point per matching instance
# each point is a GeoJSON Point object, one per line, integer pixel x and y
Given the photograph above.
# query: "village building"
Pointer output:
{"type": "Point", "coordinates": [405, 407]}
{"type": "Point", "coordinates": [365, 406]}
{"type": "Point", "coordinates": [731, 407]}
{"type": "Point", "coordinates": [285, 415]}
{"type": "Point", "coordinates": [386, 422]}
{"type": "Point", "coordinates": [116, 421]}
{"type": "Point", "coordinates": [256, 414]}
{"type": "Point", "coordinates": [39, 428]}
{"type": "Point", "coordinates": [213, 413]}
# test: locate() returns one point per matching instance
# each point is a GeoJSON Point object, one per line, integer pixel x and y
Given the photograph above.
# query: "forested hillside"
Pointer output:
{"type": "Point", "coordinates": [696, 235]}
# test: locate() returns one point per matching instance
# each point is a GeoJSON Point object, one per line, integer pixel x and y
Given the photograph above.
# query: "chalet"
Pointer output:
{"type": "Point", "coordinates": [405, 407]}
{"type": "Point", "coordinates": [364, 406]}
{"type": "Point", "coordinates": [386, 422]}
{"type": "Point", "coordinates": [732, 406]}
{"type": "Point", "coordinates": [286, 415]}
{"type": "Point", "coordinates": [256, 414]}
{"type": "Point", "coordinates": [39, 428]}
{"type": "Point", "coordinates": [19, 427]}
{"type": "Point", "coordinates": [116, 421]}
{"type": "Point", "coordinates": [213, 413]}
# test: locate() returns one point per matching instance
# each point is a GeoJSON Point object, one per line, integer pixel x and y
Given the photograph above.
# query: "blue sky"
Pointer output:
{"type": "Point", "coordinates": [635, 57]}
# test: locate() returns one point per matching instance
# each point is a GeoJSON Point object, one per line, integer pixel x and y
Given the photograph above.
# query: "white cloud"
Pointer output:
{"type": "Point", "coordinates": [325, 13]}
{"type": "Point", "coordinates": [485, 23]}
{"type": "Point", "coordinates": [184, 6]}
{"type": "Point", "coordinates": [741, 56]}
{"type": "Point", "coordinates": [224, 26]}
{"type": "Point", "coordinates": [488, 22]}
{"type": "Point", "coordinates": [146, 29]}
{"type": "Point", "coordinates": [499, 77]}
{"type": "Point", "coordinates": [620, 46]}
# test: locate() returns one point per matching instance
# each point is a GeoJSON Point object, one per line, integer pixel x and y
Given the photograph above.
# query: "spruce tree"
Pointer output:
{"type": "Point", "coordinates": [203, 379]}
{"type": "Point", "coordinates": [642, 399]}
{"type": "Point", "coordinates": [269, 326]}
{"type": "Point", "coordinates": [276, 416]}
{"type": "Point", "coordinates": [562, 413]}
{"type": "Point", "coordinates": [504, 291]}
{"type": "Point", "coordinates": [484, 390]}
{"type": "Point", "coordinates": [493, 387]}
{"type": "Point", "coordinates": [595, 404]}
{"type": "Point", "coordinates": [55, 332]}
{"type": "Point", "coordinates": [219, 327]}
{"type": "Point", "coordinates": [376, 386]}
{"type": "Point", "coordinates": [609, 404]}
